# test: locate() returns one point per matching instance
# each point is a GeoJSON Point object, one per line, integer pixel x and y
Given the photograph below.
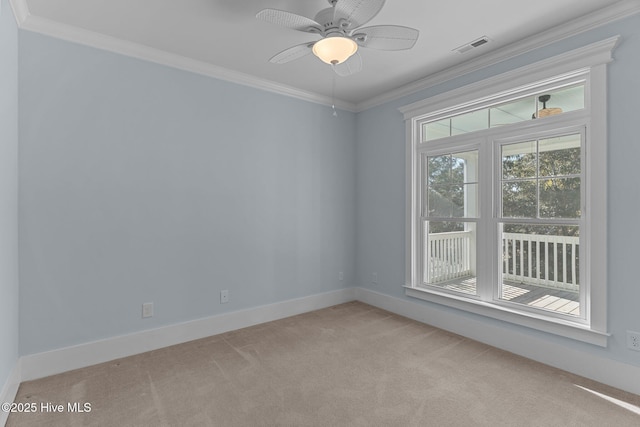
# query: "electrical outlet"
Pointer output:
{"type": "Point", "coordinates": [341, 276]}
{"type": "Point", "coordinates": [374, 277]}
{"type": "Point", "coordinates": [633, 340]}
{"type": "Point", "coordinates": [147, 309]}
{"type": "Point", "coordinates": [224, 296]}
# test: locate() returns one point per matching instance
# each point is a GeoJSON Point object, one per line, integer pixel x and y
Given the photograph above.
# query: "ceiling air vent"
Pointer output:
{"type": "Point", "coordinates": [468, 46]}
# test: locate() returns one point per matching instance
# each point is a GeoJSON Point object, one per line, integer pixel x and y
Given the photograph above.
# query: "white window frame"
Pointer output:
{"type": "Point", "coordinates": [589, 62]}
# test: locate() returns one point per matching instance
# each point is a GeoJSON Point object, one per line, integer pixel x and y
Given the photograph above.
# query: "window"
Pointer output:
{"type": "Point", "coordinates": [539, 221]}
{"type": "Point", "coordinates": [450, 207]}
{"type": "Point", "coordinates": [507, 196]}
{"type": "Point", "coordinates": [512, 111]}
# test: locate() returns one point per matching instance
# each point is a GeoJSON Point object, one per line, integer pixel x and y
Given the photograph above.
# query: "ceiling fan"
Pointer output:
{"type": "Point", "coordinates": [341, 34]}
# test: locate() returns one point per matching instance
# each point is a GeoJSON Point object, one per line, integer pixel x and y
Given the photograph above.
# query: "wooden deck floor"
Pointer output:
{"type": "Point", "coordinates": [537, 296]}
{"type": "Point", "coordinates": [557, 300]}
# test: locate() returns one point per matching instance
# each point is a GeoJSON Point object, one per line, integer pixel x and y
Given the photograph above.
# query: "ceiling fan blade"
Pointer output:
{"type": "Point", "coordinates": [350, 66]}
{"type": "Point", "coordinates": [294, 52]}
{"type": "Point", "coordinates": [386, 37]}
{"type": "Point", "coordinates": [357, 12]}
{"type": "Point", "coordinates": [289, 20]}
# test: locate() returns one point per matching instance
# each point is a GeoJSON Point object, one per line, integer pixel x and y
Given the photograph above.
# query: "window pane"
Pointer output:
{"type": "Point", "coordinates": [453, 201]}
{"type": "Point", "coordinates": [436, 130]}
{"type": "Point", "coordinates": [451, 187]}
{"type": "Point", "coordinates": [439, 170]}
{"type": "Point", "coordinates": [439, 201]}
{"type": "Point", "coordinates": [464, 167]}
{"type": "Point", "coordinates": [541, 267]}
{"type": "Point", "coordinates": [541, 179]}
{"type": "Point", "coordinates": [561, 101]}
{"type": "Point", "coordinates": [470, 122]}
{"type": "Point", "coordinates": [560, 198]}
{"type": "Point", "coordinates": [470, 203]}
{"type": "Point", "coordinates": [519, 160]}
{"type": "Point", "coordinates": [544, 104]}
{"type": "Point", "coordinates": [560, 156]}
{"type": "Point", "coordinates": [519, 199]}
{"type": "Point", "coordinates": [450, 256]}
{"type": "Point", "coordinates": [512, 112]}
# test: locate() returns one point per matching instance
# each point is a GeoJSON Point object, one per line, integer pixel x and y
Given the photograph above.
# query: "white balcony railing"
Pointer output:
{"type": "Point", "coordinates": [540, 260]}
{"type": "Point", "coordinates": [450, 256]}
{"type": "Point", "coordinates": [548, 261]}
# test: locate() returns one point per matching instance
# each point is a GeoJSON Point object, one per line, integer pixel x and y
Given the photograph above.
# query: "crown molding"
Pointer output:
{"type": "Point", "coordinates": [48, 27]}
{"type": "Point", "coordinates": [20, 10]}
{"type": "Point", "coordinates": [29, 22]}
{"type": "Point", "coordinates": [619, 10]}
{"type": "Point", "coordinates": [565, 64]}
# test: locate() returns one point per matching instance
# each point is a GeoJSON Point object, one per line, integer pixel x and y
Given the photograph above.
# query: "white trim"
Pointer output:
{"type": "Point", "coordinates": [596, 200]}
{"type": "Point", "coordinates": [38, 24]}
{"type": "Point", "coordinates": [20, 10]}
{"type": "Point", "coordinates": [9, 390]}
{"type": "Point", "coordinates": [26, 21]}
{"type": "Point", "coordinates": [588, 63]}
{"type": "Point", "coordinates": [65, 359]}
{"type": "Point", "coordinates": [569, 62]}
{"type": "Point", "coordinates": [517, 317]}
{"type": "Point", "coordinates": [608, 371]}
{"type": "Point", "coordinates": [411, 185]}
{"type": "Point", "coordinates": [606, 15]}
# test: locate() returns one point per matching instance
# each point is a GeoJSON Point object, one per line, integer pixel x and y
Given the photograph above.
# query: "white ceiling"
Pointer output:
{"type": "Point", "coordinates": [224, 36]}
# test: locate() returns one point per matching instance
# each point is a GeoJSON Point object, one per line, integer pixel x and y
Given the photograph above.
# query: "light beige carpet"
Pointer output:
{"type": "Point", "coordinates": [348, 365]}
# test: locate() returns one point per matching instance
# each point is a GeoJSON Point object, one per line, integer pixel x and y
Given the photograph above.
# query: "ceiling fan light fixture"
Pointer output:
{"type": "Point", "coordinates": [335, 50]}
{"type": "Point", "coordinates": [342, 34]}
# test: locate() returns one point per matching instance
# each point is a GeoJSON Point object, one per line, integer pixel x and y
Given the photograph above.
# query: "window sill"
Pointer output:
{"type": "Point", "coordinates": [541, 323]}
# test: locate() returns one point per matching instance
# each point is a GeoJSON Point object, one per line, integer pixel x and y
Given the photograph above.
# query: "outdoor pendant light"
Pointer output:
{"type": "Point", "coordinates": [545, 112]}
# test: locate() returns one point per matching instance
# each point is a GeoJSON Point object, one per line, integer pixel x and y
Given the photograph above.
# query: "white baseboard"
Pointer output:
{"type": "Point", "coordinates": [614, 373]}
{"type": "Point", "coordinates": [607, 371]}
{"type": "Point", "coordinates": [9, 390]}
{"type": "Point", "coordinates": [53, 362]}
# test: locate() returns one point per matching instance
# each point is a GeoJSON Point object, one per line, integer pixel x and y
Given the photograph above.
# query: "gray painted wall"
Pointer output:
{"type": "Point", "coordinates": [144, 183]}
{"type": "Point", "coordinates": [380, 185]}
{"type": "Point", "coordinates": [8, 192]}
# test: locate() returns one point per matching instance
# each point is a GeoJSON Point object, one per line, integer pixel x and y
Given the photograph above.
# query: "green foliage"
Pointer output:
{"type": "Point", "coordinates": [543, 184]}
{"type": "Point", "coordinates": [445, 192]}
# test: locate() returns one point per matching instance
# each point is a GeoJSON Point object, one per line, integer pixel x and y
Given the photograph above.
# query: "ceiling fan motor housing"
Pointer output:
{"type": "Point", "coordinates": [342, 34]}
{"type": "Point", "coordinates": [326, 18]}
